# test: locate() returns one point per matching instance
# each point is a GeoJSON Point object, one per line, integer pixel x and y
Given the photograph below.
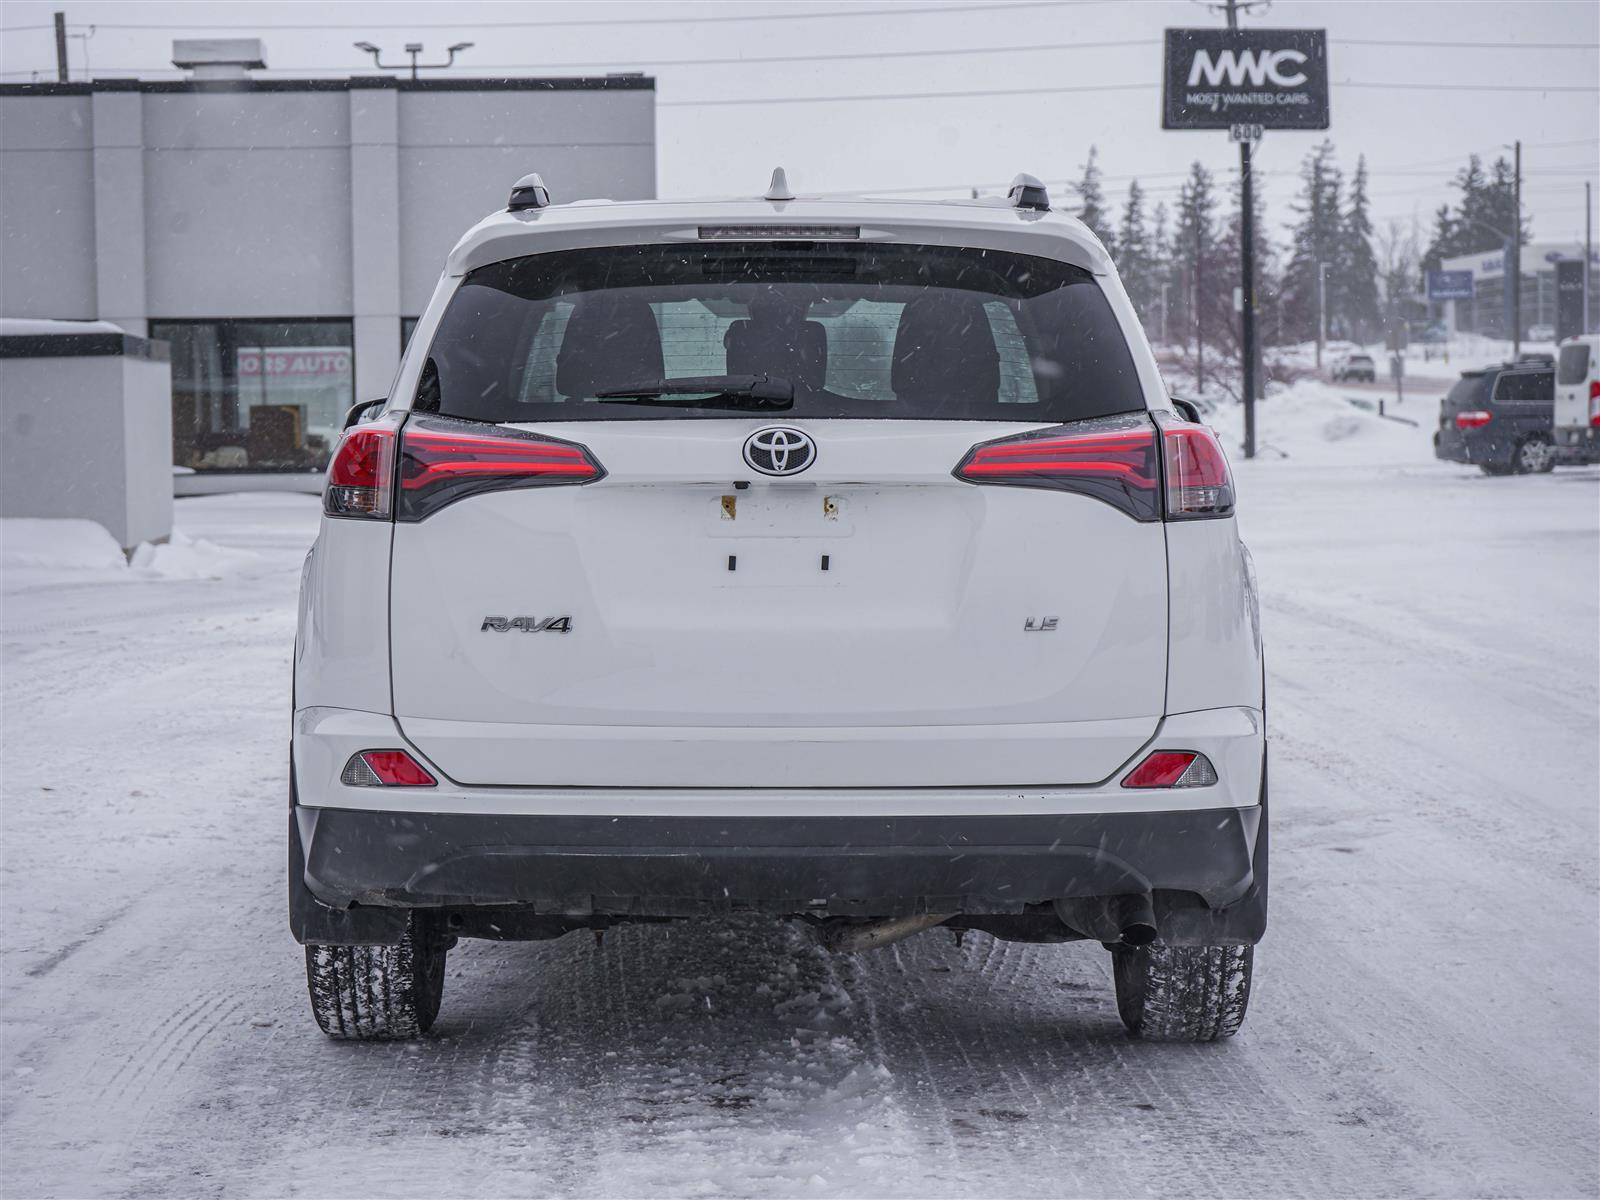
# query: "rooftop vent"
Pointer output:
{"type": "Point", "coordinates": [219, 58]}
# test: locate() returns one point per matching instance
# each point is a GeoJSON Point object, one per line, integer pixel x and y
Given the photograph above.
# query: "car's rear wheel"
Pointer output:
{"type": "Point", "coordinates": [1182, 993]}
{"type": "Point", "coordinates": [378, 993]}
{"type": "Point", "coordinates": [1534, 455]}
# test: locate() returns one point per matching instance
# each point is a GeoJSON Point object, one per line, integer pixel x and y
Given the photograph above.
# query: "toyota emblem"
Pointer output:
{"type": "Point", "coordinates": [779, 450]}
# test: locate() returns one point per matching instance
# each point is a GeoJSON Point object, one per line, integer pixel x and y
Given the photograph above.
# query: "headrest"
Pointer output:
{"type": "Point", "coordinates": [610, 342]}
{"type": "Point", "coordinates": [797, 353]}
{"type": "Point", "coordinates": [944, 352]}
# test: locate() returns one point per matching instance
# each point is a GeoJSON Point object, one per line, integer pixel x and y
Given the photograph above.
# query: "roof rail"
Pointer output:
{"type": "Point", "coordinates": [1028, 192]}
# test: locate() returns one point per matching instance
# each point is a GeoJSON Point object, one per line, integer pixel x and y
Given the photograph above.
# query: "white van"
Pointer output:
{"type": "Point", "coordinates": [1577, 412]}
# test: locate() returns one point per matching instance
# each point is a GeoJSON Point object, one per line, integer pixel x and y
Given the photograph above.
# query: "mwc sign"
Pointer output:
{"type": "Point", "coordinates": [1218, 78]}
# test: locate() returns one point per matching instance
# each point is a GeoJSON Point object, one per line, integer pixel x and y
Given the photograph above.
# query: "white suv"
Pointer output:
{"type": "Point", "coordinates": [842, 560]}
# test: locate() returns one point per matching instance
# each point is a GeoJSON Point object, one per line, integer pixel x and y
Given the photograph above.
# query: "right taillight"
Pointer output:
{"type": "Point", "coordinates": [1111, 460]}
{"type": "Point", "coordinates": [361, 475]}
{"type": "Point", "coordinates": [1199, 483]}
{"type": "Point", "coordinates": [1473, 418]}
{"type": "Point", "coordinates": [1594, 402]}
{"type": "Point", "coordinates": [1120, 460]}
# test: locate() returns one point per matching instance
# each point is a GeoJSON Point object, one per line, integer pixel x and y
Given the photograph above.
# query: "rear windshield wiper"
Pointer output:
{"type": "Point", "coordinates": [735, 393]}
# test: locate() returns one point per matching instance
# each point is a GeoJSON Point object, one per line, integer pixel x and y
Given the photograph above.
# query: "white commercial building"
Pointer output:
{"type": "Point", "coordinates": [1486, 312]}
{"type": "Point", "coordinates": [281, 234]}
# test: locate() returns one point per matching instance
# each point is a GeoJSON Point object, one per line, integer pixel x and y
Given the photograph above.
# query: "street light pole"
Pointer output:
{"type": "Point", "coordinates": [1514, 260]}
{"type": "Point", "coordinates": [1588, 252]}
{"type": "Point", "coordinates": [1168, 284]}
{"type": "Point", "coordinates": [414, 49]}
{"type": "Point", "coordinates": [1322, 309]}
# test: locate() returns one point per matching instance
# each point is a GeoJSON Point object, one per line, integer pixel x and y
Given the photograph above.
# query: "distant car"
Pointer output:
{"type": "Point", "coordinates": [1436, 334]}
{"type": "Point", "coordinates": [1576, 420]}
{"type": "Point", "coordinates": [1358, 368]}
{"type": "Point", "coordinates": [1500, 419]}
{"type": "Point", "coordinates": [1541, 333]}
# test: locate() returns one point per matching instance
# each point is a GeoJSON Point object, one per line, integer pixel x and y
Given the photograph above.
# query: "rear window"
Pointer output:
{"type": "Point", "coordinates": [1573, 366]}
{"type": "Point", "coordinates": [1525, 387]}
{"type": "Point", "coordinates": [1470, 391]}
{"type": "Point", "coordinates": [899, 331]}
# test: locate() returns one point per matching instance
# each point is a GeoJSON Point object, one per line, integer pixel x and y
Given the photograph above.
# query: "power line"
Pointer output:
{"type": "Point", "coordinates": [1106, 87]}
{"type": "Point", "coordinates": [570, 23]}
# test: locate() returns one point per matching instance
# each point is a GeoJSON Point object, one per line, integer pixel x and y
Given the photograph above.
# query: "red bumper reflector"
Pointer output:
{"type": "Point", "coordinates": [385, 768]}
{"type": "Point", "coordinates": [1172, 769]}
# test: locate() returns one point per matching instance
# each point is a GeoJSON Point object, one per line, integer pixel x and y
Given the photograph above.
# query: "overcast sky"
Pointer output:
{"type": "Point", "coordinates": [1413, 138]}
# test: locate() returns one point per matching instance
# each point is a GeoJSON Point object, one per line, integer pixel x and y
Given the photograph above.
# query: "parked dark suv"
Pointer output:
{"type": "Point", "coordinates": [1500, 418]}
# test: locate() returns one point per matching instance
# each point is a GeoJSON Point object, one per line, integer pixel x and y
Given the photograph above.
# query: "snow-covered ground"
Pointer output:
{"type": "Point", "coordinates": [1425, 1021]}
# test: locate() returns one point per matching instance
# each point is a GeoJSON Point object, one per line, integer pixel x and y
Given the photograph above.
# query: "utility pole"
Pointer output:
{"type": "Point", "coordinates": [1247, 265]}
{"type": "Point", "coordinates": [1514, 259]}
{"type": "Point", "coordinates": [1199, 310]}
{"type": "Point", "coordinates": [61, 47]}
{"type": "Point", "coordinates": [1168, 284]}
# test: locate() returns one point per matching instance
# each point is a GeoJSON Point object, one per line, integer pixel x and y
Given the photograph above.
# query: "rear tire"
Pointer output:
{"type": "Point", "coordinates": [1183, 993]}
{"type": "Point", "coordinates": [1533, 456]}
{"type": "Point", "coordinates": [378, 993]}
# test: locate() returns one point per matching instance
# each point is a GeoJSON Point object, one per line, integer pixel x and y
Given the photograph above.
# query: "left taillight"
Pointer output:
{"type": "Point", "coordinates": [361, 475]}
{"type": "Point", "coordinates": [444, 460]}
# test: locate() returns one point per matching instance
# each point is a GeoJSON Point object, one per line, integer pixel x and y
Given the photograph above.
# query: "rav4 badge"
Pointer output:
{"type": "Point", "coordinates": [527, 624]}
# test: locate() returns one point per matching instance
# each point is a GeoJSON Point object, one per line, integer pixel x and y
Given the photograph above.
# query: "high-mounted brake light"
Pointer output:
{"type": "Point", "coordinates": [1473, 418]}
{"type": "Point", "coordinates": [1172, 769]}
{"type": "Point", "coordinates": [1113, 460]}
{"type": "Point", "coordinates": [1198, 481]}
{"type": "Point", "coordinates": [443, 460]}
{"type": "Point", "coordinates": [361, 475]}
{"type": "Point", "coordinates": [385, 768]}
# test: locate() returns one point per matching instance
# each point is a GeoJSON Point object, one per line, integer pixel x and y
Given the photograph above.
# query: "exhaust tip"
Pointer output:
{"type": "Point", "coordinates": [1138, 934]}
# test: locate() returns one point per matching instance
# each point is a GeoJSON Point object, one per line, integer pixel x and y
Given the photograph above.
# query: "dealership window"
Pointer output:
{"type": "Point", "coordinates": [257, 395]}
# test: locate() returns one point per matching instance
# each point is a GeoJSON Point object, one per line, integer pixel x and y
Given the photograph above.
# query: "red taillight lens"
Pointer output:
{"type": "Point", "coordinates": [361, 475]}
{"type": "Point", "coordinates": [443, 460]}
{"type": "Point", "coordinates": [385, 768]}
{"type": "Point", "coordinates": [1473, 418]}
{"type": "Point", "coordinates": [1198, 481]}
{"type": "Point", "coordinates": [1594, 402]}
{"type": "Point", "coordinates": [1113, 460]}
{"type": "Point", "coordinates": [1172, 769]}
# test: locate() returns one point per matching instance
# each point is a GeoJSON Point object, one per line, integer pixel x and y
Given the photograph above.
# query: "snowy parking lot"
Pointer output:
{"type": "Point", "coordinates": [1425, 1015]}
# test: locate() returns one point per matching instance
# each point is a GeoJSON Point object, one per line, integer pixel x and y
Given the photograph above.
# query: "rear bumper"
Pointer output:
{"type": "Point", "coordinates": [1579, 444]}
{"type": "Point", "coordinates": [581, 866]}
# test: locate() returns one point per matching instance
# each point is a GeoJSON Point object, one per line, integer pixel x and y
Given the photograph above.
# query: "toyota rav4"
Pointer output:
{"type": "Point", "coordinates": [840, 560]}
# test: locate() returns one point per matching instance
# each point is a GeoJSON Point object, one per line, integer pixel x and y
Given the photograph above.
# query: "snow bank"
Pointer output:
{"type": "Point", "coordinates": [1314, 422]}
{"type": "Point", "coordinates": [184, 557]}
{"type": "Point", "coordinates": [67, 544]}
{"type": "Point", "coordinates": [33, 549]}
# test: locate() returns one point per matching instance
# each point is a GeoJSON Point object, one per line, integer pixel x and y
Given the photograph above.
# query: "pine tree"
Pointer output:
{"type": "Point", "coordinates": [1135, 261]}
{"type": "Point", "coordinates": [1355, 277]}
{"type": "Point", "coordinates": [1197, 273]}
{"type": "Point", "coordinates": [1161, 269]}
{"type": "Point", "coordinates": [1482, 218]}
{"type": "Point", "coordinates": [1315, 241]}
{"type": "Point", "coordinates": [1092, 202]}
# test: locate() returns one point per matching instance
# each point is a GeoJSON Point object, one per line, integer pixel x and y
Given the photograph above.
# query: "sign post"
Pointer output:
{"type": "Point", "coordinates": [1245, 81]}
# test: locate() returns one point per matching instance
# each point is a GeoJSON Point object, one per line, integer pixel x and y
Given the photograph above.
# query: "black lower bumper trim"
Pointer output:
{"type": "Point", "coordinates": [685, 866]}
